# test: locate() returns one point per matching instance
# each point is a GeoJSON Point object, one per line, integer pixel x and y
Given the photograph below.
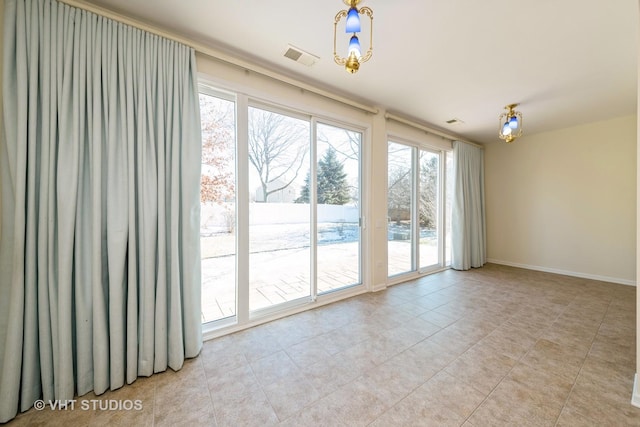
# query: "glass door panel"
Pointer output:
{"type": "Point", "coordinates": [338, 207]}
{"type": "Point", "coordinates": [428, 208]}
{"type": "Point", "coordinates": [279, 228]}
{"type": "Point", "coordinates": [218, 208]}
{"type": "Point", "coordinates": [400, 209]}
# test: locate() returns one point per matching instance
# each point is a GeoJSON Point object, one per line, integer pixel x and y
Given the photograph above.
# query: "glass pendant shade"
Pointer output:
{"type": "Point", "coordinates": [353, 21]}
{"type": "Point", "coordinates": [506, 129]}
{"type": "Point", "coordinates": [513, 122]}
{"type": "Point", "coordinates": [354, 46]}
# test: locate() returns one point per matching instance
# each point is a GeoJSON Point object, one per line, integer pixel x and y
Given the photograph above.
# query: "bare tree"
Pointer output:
{"type": "Point", "coordinates": [348, 147]}
{"type": "Point", "coordinates": [428, 214]}
{"type": "Point", "coordinates": [399, 194]}
{"type": "Point", "coordinates": [399, 185]}
{"type": "Point", "coordinates": [278, 146]}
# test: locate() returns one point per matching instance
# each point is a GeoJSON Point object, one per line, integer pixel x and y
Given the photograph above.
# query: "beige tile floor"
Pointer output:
{"type": "Point", "coordinates": [488, 347]}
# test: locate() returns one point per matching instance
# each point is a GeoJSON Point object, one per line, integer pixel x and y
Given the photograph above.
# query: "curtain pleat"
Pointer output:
{"type": "Point", "coordinates": [100, 163]}
{"type": "Point", "coordinates": [468, 230]}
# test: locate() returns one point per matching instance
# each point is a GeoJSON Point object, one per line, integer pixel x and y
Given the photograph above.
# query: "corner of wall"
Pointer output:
{"type": "Point", "coordinates": [636, 392]}
{"type": "Point", "coordinates": [379, 287]}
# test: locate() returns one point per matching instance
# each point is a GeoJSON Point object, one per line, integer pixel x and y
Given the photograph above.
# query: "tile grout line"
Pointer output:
{"type": "Point", "coordinates": [564, 405]}
{"type": "Point", "coordinates": [513, 367]}
{"type": "Point", "coordinates": [213, 406]}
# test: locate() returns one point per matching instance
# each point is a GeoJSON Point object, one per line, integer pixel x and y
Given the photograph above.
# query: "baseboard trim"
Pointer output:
{"type": "Point", "coordinates": [565, 272]}
{"type": "Point", "coordinates": [635, 396]}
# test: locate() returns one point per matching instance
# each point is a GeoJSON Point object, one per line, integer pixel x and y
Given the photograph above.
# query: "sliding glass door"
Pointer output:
{"type": "Point", "coordinates": [296, 233]}
{"type": "Point", "coordinates": [414, 209]}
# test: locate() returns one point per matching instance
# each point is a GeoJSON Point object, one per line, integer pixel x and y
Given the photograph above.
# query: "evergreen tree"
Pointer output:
{"type": "Point", "coordinates": [333, 188]}
{"type": "Point", "coordinates": [304, 193]}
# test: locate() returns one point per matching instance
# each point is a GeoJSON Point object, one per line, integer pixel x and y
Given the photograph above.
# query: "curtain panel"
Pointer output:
{"type": "Point", "coordinates": [468, 229]}
{"type": "Point", "coordinates": [100, 163]}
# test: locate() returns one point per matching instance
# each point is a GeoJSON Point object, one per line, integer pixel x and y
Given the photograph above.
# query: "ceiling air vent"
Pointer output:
{"type": "Point", "coordinates": [299, 55]}
{"type": "Point", "coordinates": [454, 121]}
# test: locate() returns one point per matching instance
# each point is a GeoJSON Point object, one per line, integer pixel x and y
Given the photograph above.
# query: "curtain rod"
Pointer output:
{"type": "Point", "coordinates": [428, 129]}
{"type": "Point", "coordinates": [217, 54]}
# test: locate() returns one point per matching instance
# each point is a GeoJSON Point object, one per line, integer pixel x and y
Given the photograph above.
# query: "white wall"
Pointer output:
{"type": "Point", "coordinates": [635, 397]}
{"type": "Point", "coordinates": [1, 79]}
{"type": "Point", "coordinates": [565, 201]}
{"type": "Point", "coordinates": [4, 300]}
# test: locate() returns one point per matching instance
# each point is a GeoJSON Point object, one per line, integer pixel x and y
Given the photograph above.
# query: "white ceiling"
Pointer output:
{"type": "Point", "coordinates": [566, 62]}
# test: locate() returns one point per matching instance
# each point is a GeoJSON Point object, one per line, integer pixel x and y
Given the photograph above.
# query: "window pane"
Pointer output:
{"type": "Point", "coordinates": [399, 209]}
{"type": "Point", "coordinates": [218, 208]}
{"type": "Point", "coordinates": [428, 208]}
{"type": "Point", "coordinates": [279, 228]}
{"type": "Point", "coordinates": [338, 197]}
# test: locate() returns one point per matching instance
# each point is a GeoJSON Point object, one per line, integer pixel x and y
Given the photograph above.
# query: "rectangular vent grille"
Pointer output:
{"type": "Point", "coordinates": [293, 54]}
{"type": "Point", "coordinates": [299, 55]}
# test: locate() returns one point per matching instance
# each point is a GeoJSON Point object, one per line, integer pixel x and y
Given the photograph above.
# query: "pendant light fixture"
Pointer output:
{"type": "Point", "coordinates": [353, 26]}
{"type": "Point", "coordinates": [510, 123]}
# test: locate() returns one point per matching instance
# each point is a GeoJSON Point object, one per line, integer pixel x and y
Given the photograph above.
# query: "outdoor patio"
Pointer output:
{"type": "Point", "coordinates": [283, 275]}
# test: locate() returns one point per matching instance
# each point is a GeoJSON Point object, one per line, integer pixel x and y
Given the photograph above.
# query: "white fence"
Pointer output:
{"type": "Point", "coordinates": [219, 218]}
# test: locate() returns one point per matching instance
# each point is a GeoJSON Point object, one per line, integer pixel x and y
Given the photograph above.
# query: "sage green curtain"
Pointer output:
{"type": "Point", "coordinates": [468, 228]}
{"type": "Point", "coordinates": [100, 163]}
